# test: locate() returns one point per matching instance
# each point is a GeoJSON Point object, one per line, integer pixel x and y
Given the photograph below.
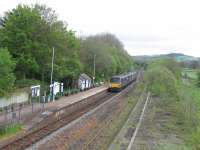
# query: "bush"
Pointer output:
{"type": "Point", "coordinates": [198, 79]}
{"type": "Point", "coordinates": [7, 77]}
{"type": "Point", "coordinates": [10, 129]}
{"type": "Point", "coordinates": [194, 139]}
{"type": "Point", "coordinates": [170, 64]}
{"type": "Point", "coordinates": [26, 83]}
{"type": "Point", "coordinates": [161, 82]}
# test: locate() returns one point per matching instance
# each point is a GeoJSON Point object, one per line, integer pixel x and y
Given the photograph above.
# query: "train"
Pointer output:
{"type": "Point", "coordinates": [119, 82]}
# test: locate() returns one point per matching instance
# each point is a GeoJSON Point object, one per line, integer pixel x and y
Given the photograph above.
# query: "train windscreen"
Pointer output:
{"type": "Point", "coordinates": [115, 80]}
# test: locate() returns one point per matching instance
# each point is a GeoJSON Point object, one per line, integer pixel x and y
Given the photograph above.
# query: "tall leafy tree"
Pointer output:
{"type": "Point", "coordinates": [111, 58]}
{"type": "Point", "coordinates": [7, 77]}
{"type": "Point", "coordinates": [30, 33]}
{"type": "Point", "coordinates": [19, 33]}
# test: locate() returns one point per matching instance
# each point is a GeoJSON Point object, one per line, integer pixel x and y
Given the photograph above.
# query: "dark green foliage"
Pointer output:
{"type": "Point", "coordinates": [30, 33]}
{"type": "Point", "coordinates": [111, 58]}
{"type": "Point", "coordinates": [26, 82]}
{"type": "Point", "coordinates": [7, 78]}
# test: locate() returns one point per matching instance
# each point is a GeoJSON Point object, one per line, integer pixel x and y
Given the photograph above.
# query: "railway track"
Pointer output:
{"type": "Point", "coordinates": [91, 142]}
{"type": "Point", "coordinates": [51, 124]}
{"type": "Point", "coordinates": [130, 145]}
{"type": "Point", "coordinates": [132, 125]}
{"type": "Point", "coordinates": [89, 145]}
{"type": "Point", "coordinates": [34, 136]}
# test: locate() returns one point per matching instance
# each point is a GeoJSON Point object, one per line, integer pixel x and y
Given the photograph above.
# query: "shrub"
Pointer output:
{"type": "Point", "coordinates": [7, 77]}
{"type": "Point", "coordinates": [198, 79]}
{"type": "Point", "coordinates": [161, 82]}
{"type": "Point", "coordinates": [26, 83]}
{"type": "Point", "coordinates": [194, 139]}
{"type": "Point", "coordinates": [170, 64]}
{"type": "Point", "coordinates": [10, 129]}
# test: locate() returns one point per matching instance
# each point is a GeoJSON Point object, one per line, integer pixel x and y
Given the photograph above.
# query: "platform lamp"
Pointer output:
{"type": "Point", "coordinates": [52, 65]}
{"type": "Point", "coordinates": [94, 69]}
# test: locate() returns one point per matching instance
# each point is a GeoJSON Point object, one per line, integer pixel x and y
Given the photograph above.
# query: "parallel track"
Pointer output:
{"type": "Point", "coordinates": [89, 145]}
{"type": "Point", "coordinates": [138, 124]}
{"type": "Point", "coordinates": [34, 136]}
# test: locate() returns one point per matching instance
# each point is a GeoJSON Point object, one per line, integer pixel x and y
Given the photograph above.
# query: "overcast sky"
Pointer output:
{"type": "Point", "coordinates": [145, 27]}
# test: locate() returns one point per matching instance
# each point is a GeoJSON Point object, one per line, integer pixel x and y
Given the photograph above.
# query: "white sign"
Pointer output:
{"type": "Point", "coordinates": [35, 91]}
{"type": "Point", "coordinates": [61, 87]}
{"type": "Point", "coordinates": [56, 87]}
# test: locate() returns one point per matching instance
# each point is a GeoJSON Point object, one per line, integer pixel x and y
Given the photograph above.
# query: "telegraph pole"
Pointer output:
{"type": "Point", "coordinates": [52, 62]}
{"type": "Point", "coordinates": [94, 69]}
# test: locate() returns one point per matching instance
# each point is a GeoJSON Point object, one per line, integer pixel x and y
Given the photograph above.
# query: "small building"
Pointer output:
{"type": "Point", "coordinates": [84, 82]}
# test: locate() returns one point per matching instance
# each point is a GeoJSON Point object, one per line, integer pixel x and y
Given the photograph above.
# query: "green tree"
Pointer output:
{"type": "Point", "coordinates": [7, 77]}
{"type": "Point", "coordinates": [162, 78]}
{"type": "Point", "coordinates": [111, 58]}
{"type": "Point", "coordinates": [30, 33]}
{"type": "Point", "coordinates": [19, 36]}
{"type": "Point", "coordinates": [170, 64]}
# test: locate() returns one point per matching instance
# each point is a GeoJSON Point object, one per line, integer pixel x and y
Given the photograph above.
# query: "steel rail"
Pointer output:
{"type": "Point", "coordinates": [139, 124]}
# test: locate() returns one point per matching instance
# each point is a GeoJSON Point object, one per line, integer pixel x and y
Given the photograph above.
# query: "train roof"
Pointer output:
{"type": "Point", "coordinates": [123, 75]}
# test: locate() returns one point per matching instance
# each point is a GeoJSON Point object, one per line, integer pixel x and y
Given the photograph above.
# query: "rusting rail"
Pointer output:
{"type": "Point", "coordinates": [59, 118]}
{"type": "Point", "coordinates": [56, 121]}
{"type": "Point", "coordinates": [92, 141]}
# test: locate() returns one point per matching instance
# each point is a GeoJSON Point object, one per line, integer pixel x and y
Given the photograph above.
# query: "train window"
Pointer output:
{"type": "Point", "coordinates": [115, 80]}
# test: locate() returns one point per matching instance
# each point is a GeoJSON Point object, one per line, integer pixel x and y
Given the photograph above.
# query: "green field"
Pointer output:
{"type": "Point", "coordinates": [190, 73]}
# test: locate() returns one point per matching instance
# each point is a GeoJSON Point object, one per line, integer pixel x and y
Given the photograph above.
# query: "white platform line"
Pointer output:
{"type": "Point", "coordinates": [138, 125]}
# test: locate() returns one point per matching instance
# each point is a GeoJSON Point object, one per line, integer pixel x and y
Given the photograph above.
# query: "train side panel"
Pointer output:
{"type": "Point", "coordinates": [117, 83]}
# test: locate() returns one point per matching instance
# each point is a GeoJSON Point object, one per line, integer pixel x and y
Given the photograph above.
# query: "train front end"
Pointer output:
{"type": "Point", "coordinates": [115, 84]}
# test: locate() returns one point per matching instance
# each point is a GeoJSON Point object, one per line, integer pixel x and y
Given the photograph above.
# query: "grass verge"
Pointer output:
{"type": "Point", "coordinates": [10, 130]}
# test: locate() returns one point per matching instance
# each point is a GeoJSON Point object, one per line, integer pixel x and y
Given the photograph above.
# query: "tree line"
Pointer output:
{"type": "Point", "coordinates": [28, 34]}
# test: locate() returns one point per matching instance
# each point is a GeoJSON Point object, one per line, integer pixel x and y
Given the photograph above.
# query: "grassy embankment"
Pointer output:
{"type": "Point", "coordinates": [192, 93]}
{"type": "Point", "coordinates": [6, 132]}
{"type": "Point", "coordinates": [179, 100]}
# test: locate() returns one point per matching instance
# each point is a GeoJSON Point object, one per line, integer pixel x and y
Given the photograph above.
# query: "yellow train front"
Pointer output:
{"type": "Point", "coordinates": [117, 83]}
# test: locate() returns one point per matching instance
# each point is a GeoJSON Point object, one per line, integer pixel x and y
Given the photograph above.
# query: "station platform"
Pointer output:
{"type": "Point", "coordinates": [65, 101]}
{"type": "Point", "coordinates": [29, 118]}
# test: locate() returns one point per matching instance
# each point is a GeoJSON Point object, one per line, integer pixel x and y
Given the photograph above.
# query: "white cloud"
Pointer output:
{"type": "Point", "coordinates": [144, 26]}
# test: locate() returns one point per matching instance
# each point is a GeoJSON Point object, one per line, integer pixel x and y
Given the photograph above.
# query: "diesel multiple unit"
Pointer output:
{"type": "Point", "coordinates": [119, 82]}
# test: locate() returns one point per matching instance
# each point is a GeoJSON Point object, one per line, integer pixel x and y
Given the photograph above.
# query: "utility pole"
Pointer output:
{"type": "Point", "coordinates": [52, 62]}
{"type": "Point", "coordinates": [94, 69]}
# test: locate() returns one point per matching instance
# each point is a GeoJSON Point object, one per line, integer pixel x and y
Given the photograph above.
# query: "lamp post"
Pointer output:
{"type": "Point", "coordinates": [52, 62]}
{"type": "Point", "coordinates": [94, 69]}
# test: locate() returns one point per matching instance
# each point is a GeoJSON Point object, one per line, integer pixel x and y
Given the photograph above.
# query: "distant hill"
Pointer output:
{"type": "Point", "coordinates": [177, 56]}
{"type": "Point", "coordinates": [181, 57]}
